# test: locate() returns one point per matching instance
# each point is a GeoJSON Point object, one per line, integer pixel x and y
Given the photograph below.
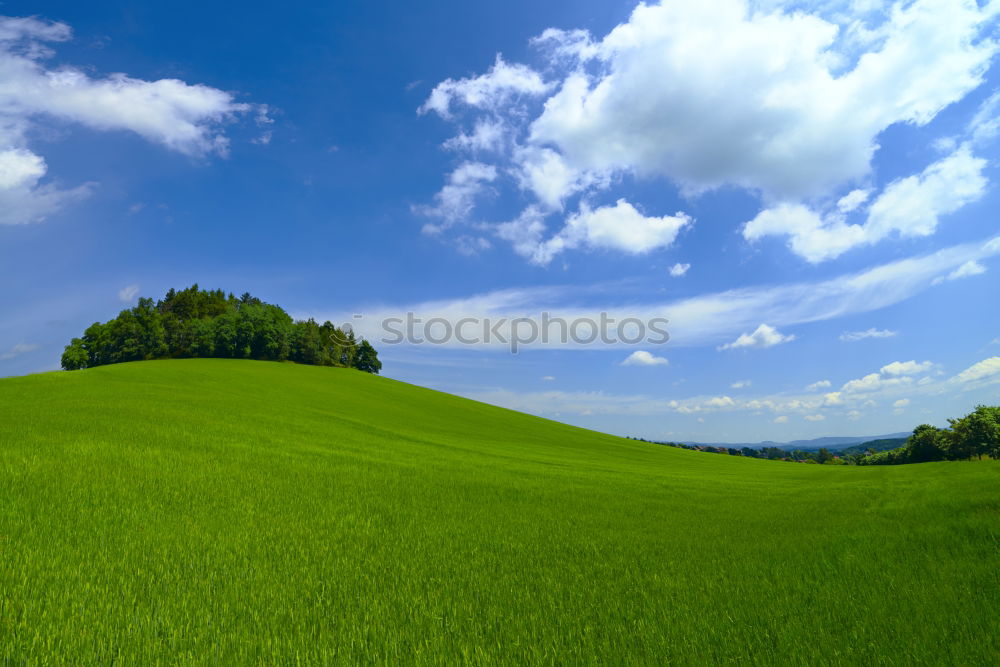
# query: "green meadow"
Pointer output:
{"type": "Point", "coordinates": [216, 511]}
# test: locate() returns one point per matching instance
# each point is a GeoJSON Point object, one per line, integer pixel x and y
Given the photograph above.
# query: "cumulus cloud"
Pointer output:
{"type": "Point", "coordinates": [644, 358]}
{"type": "Point", "coordinates": [621, 227]}
{"type": "Point", "coordinates": [833, 398]}
{"type": "Point", "coordinates": [821, 384]}
{"type": "Point", "coordinates": [763, 336]}
{"type": "Point", "coordinates": [912, 205]}
{"type": "Point", "coordinates": [487, 91]}
{"type": "Point", "coordinates": [909, 207]}
{"type": "Point", "coordinates": [790, 109]}
{"type": "Point", "coordinates": [678, 270]}
{"type": "Point", "coordinates": [457, 198]}
{"type": "Point", "coordinates": [892, 375]}
{"type": "Point", "coordinates": [742, 384]}
{"type": "Point", "coordinates": [853, 336]}
{"type": "Point", "coordinates": [811, 408]}
{"type": "Point", "coordinates": [985, 369]}
{"type": "Point", "coordinates": [775, 110]}
{"type": "Point", "coordinates": [906, 368]}
{"type": "Point", "coordinates": [181, 117]}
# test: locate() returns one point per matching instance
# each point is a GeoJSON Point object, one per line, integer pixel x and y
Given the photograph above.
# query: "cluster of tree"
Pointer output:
{"type": "Point", "coordinates": [872, 446]}
{"type": "Point", "coordinates": [203, 323]}
{"type": "Point", "coordinates": [975, 434]}
{"type": "Point", "coordinates": [771, 453]}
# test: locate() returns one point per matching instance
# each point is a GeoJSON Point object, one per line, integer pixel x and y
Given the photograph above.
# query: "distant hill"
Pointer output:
{"type": "Point", "coordinates": [831, 442]}
{"type": "Point", "coordinates": [881, 445]}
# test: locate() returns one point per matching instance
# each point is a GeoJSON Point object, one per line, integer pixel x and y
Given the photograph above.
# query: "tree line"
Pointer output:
{"type": "Point", "coordinates": [210, 323]}
{"type": "Point", "coordinates": [977, 434]}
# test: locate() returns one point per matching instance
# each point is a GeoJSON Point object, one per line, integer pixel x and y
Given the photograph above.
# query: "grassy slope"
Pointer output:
{"type": "Point", "coordinates": [249, 511]}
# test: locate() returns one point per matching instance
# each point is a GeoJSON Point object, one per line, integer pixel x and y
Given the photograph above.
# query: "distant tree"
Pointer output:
{"type": "Point", "coordinates": [823, 455]}
{"type": "Point", "coordinates": [926, 444]}
{"type": "Point", "coordinates": [366, 358]}
{"type": "Point", "coordinates": [75, 357]}
{"type": "Point", "coordinates": [201, 323]}
{"type": "Point", "coordinates": [976, 433]}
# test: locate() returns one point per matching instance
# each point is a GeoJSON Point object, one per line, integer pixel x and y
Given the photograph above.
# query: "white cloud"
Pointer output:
{"type": "Point", "coordinates": [775, 110]}
{"type": "Point", "coordinates": [742, 384]}
{"type": "Point", "coordinates": [545, 173]}
{"type": "Point", "coordinates": [488, 135]}
{"type": "Point", "coordinates": [853, 336]}
{"type": "Point", "coordinates": [985, 369]}
{"type": "Point", "coordinates": [487, 91]}
{"type": "Point", "coordinates": [128, 293]}
{"type": "Point", "coordinates": [456, 199]}
{"type": "Point", "coordinates": [891, 376]}
{"type": "Point", "coordinates": [620, 227]}
{"type": "Point", "coordinates": [763, 336]}
{"type": "Point", "coordinates": [720, 402]}
{"type": "Point", "coordinates": [821, 384]}
{"type": "Point", "coordinates": [811, 236]}
{"type": "Point", "coordinates": [20, 348]}
{"type": "Point", "coordinates": [910, 207]}
{"type": "Point", "coordinates": [970, 268]}
{"type": "Point", "coordinates": [706, 319]}
{"type": "Point", "coordinates": [790, 109]}
{"type": "Point", "coordinates": [810, 408]}
{"type": "Point", "coordinates": [911, 367]}
{"type": "Point", "coordinates": [872, 382]}
{"type": "Point", "coordinates": [852, 200]}
{"type": "Point", "coordinates": [644, 358]}
{"type": "Point", "coordinates": [548, 378]}
{"type": "Point", "coordinates": [678, 270]}
{"type": "Point", "coordinates": [22, 199]}
{"type": "Point", "coordinates": [833, 398]}
{"type": "Point", "coordinates": [985, 125]}
{"type": "Point", "coordinates": [182, 117]}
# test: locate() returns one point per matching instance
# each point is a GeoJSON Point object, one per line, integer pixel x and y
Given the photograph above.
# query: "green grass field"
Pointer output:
{"type": "Point", "coordinates": [216, 511]}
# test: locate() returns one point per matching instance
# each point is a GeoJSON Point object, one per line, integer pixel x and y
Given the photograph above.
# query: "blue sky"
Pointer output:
{"type": "Point", "coordinates": [806, 191]}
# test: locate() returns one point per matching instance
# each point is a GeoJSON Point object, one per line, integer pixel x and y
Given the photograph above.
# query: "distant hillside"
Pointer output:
{"type": "Point", "coordinates": [830, 442]}
{"type": "Point", "coordinates": [881, 445]}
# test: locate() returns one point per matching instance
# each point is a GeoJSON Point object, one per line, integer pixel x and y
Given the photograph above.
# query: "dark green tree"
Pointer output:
{"type": "Point", "coordinates": [366, 358]}
{"type": "Point", "coordinates": [926, 444]}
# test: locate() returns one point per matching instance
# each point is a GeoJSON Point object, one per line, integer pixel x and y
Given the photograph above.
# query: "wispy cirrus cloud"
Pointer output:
{"type": "Point", "coordinates": [706, 320]}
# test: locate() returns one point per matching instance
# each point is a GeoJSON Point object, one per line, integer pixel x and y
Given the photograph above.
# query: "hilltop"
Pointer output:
{"type": "Point", "coordinates": [233, 511]}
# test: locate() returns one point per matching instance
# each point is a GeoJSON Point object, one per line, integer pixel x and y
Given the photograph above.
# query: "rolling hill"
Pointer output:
{"type": "Point", "coordinates": [221, 511]}
{"type": "Point", "coordinates": [831, 442]}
